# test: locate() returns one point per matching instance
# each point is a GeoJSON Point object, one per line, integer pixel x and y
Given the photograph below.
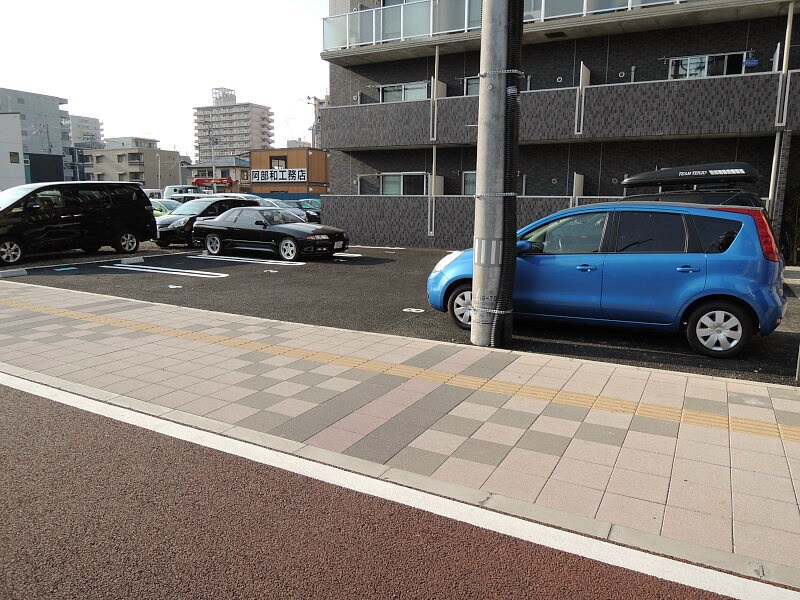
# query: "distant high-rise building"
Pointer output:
{"type": "Point", "coordinates": [228, 128]}
{"type": "Point", "coordinates": [86, 132]}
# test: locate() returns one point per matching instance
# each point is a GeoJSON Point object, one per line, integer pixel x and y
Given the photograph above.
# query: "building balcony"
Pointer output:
{"type": "Point", "coordinates": [411, 29]}
{"type": "Point", "coordinates": [712, 106]}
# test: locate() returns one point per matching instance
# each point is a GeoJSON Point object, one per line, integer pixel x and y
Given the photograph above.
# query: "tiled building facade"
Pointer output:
{"type": "Point", "coordinates": [634, 109]}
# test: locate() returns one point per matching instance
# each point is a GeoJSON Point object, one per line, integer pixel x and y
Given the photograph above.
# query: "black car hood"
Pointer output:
{"type": "Point", "coordinates": [168, 219]}
{"type": "Point", "coordinates": [307, 229]}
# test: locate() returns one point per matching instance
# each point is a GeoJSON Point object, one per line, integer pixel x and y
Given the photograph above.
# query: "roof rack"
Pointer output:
{"type": "Point", "coordinates": [726, 172]}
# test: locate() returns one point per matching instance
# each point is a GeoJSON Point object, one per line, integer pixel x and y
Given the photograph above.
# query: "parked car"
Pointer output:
{"type": "Point", "coordinates": [266, 202]}
{"type": "Point", "coordinates": [312, 212]}
{"type": "Point", "coordinates": [176, 227]}
{"type": "Point", "coordinates": [714, 273]}
{"type": "Point", "coordinates": [153, 194]}
{"type": "Point", "coordinates": [163, 207]}
{"type": "Point", "coordinates": [41, 217]}
{"type": "Point", "coordinates": [181, 198]}
{"type": "Point", "coordinates": [272, 229]}
{"type": "Point", "coordinates": [181, 189]}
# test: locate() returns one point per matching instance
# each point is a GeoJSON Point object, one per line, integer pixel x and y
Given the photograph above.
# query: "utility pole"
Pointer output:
{"type": "Point", "coordinates": [158, 158]}
{"type": "Point", "coordinates": [496, 178]}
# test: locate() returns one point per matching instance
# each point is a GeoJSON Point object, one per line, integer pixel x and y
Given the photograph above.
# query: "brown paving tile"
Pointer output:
{"type": "Point", "coordinates": [175, 398]}
{"type": "Point", "coordinates": [700, 498]}
{"type": "Point", "coordinates": [582, 473]}
{"type": "Point", "coordinates": [783, 516]}
{"type": "Point", "coordinates": [514, 484]}
{"type": "Point", "coordinates": [478, 412]}
{"type": "Point", "coordinates": [756, 443]}
{"type": "Point", "coordinates": [333, 439]}
{"type": "Point", "coordinates": [698, 528]}
{"type": "Point", "coordinates": [650, 442]}
{"type": "Point", "coordinates": [702, 473]}
{"type": "Point", "coordinates": [608, 418]}
{"type": "Point", "coordinates": [707, 453]}
{"type": "Point", "coordinates": [631, 512]}
{"type": "Point", "coordinates": [291, 407]}
{"type": "Point", "coordinates": [644, 462]}
{"type": "Point", "coordinates": [232, 393]}
{"type": "Point", "coordinates": [203, 406]}
{"type": "Point", "coordinates": [770, 544]}
{"type": "Point", "coordinates": [554, 426]}
{"type": "Point", "coordinates": [527, 405]}
{"type": "Point", "coordinates": [528, 461]}
{"type": "Point", "coordinates": [381, 409]}
{"type": "Point", "coordinates": [759, 462]}
{"type": "Point", "coordinates": [463, 472]}
{"type": "Point", "coordinates": [232, 413]}
{"type": "Point", "coordinates": [438, 441]}
{"type": "Point", "coordinates": [763, 486]}
{"type": "Point", "coordinates": [594, 452]}
{"type": "Point", "coordinates": [570, 498]}
{"type": "Point", "coordinates": [457, 425]}
{"type": "Point", "coordinates": [639, 485]}
{"type": "Point", "coordinates": [360, 423]}
{"type": "Point", "coordinates": [500, 434]}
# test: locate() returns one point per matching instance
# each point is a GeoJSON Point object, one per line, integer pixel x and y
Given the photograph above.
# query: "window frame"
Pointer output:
{"type": "Point", "coordinates": [705, 57]}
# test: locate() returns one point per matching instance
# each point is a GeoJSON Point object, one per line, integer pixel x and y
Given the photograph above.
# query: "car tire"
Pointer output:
{"type": "Point", "coordinates": [719, 329]}
{"type": "Point", "coordinates": [126, 242]}
{"type": "Point", "coordinates": [161, 244]}
{"type": "Point", "coordinates": [214, 244]}
{"type": "Point", "coordinates": [11, 251]}
{"type": "Point", "coordinates": [459, 305]}
{"type": "Point", "coordinates": [288, 250]}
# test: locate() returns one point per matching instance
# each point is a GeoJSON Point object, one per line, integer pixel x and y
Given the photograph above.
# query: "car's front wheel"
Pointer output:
{"type": "Point", "coordinates": [213, 244]}
{"type": "Point", "coordinates": [10, 251]}
{"type": "Point", "coordinates": [720, 329]}
{"type": "Point", "coordinates": [126, 242]}
{"type": "Point", "coordinates": [288, 249]}
{"type": "Point", "coordinates": [459, 305]}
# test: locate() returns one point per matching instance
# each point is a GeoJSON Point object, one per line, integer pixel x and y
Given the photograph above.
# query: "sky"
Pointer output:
{"type": "Point", "coordinates": [142, 67]}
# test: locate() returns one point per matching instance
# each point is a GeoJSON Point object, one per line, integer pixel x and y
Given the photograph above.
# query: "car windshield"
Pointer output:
{"type": "Point", "coordinates": [11, 195]}
{"type": "Point", "coordinates": [165, 205]}
{"type": "Point", "coordinates": [280, 217]}
{"type": "Point", "coordinates": [192, 207]}
{"type": "Point", "coordinates": [282, 204]}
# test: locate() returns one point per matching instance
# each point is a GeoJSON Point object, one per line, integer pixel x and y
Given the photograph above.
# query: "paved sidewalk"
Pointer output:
{"type": "Point", "coordinates": [700, 468]}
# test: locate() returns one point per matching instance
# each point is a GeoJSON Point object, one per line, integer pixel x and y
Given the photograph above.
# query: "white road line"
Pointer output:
{"type": "Point", "coordinates": [379, 247]}
{"type": "Point", "coordinates": [590, 548]}
{"type": "Point", "coordinates": [166, 271]}
{"type": "Point", "coordinates": [259, 261]}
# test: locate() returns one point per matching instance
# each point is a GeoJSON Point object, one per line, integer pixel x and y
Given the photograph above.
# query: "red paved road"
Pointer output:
{"type": "Point", "coordinates": [93, 508]}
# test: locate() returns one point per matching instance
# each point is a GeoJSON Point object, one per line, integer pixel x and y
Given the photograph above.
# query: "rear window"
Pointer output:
{"type": "Point", "coordinates": [643, 232]}
{"type": "Point", "coordinates": [716, 235]}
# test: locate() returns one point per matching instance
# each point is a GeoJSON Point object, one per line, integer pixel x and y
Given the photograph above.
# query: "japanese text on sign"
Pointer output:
{"type": "Point", "coordinates": [278, 175]}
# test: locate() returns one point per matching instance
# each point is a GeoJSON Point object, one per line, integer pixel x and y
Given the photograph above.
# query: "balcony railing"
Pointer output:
{"type": "Point", "coordinates": [426, 18]}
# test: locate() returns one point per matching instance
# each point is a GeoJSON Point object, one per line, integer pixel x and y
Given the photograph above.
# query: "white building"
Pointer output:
{"type": "Point", "coordinates": [133, 159]}
{"type": "Point", "coordinates": [12, 167]}
{"type": "Point", "coordinates": [86, 132]}
{"type": "Point", "coordinates": [228, 128]}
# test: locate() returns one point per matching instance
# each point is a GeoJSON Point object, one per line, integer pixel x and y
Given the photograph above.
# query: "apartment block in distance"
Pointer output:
{"type": "Point", "coordinates": [610, 88]}
{"type": "Point", "coordinates": [133, 159]}
{"type": "Point", "coordinates": [86, 132]}
{"type": "Point", "coordinates": [231, 128]}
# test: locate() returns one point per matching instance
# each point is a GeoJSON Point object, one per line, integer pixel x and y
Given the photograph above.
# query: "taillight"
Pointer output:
{"type": "Point", "coordinates": [768, 245]}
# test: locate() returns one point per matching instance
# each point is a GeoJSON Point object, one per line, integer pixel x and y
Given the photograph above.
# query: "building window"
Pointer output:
{"type": "Point", "coordinates": [277, 162]}
{"type": "Point", "coordinates": [101, 177]}
{"type": "Point", "coordinates": [13, 158]}
{"type": "Point", "coordinates": [707, 65]}
{"type": "Point", "coordinates": [225, 173]}
{"type": "Point", "coordinates": [468, 183]}
{"type": "Point", "coordinates": [403, 92]}
{"type": "Point", "coordinates": [471, 85]}
{"type": "Point", "coordinates": [403, 184]}
{"type": "Point", "coordinates": [123, 177]}
{"type": "Point", "coordinates": [120, 158]}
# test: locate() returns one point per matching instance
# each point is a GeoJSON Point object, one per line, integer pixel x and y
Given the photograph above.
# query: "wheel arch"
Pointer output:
{"type": "Point", "coordinates": [720, 298]}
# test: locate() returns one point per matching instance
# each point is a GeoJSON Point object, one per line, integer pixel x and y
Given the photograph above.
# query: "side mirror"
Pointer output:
{"type": "Point", "coordinates": [524, 246]}
{"type": "Point", "coordinates": [262, 223]}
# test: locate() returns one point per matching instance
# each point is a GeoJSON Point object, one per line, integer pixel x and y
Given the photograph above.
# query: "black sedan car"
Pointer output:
{"type": "Point", "coordinates": [176, 227]}
{"type": "Point", "coordinates": [275, 230]}
{"type": "Point", "coordinates": [312, 212]}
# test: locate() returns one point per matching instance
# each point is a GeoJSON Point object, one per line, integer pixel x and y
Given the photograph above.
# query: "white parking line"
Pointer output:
{"type": "Point", "coordinates": [165, 271]}
{"type": "Point", "coordinates": [579, 545]}
{"type": "Point", "coordinates": [379, 247]}
{"type": "Point", "coordinates": [258, 261]}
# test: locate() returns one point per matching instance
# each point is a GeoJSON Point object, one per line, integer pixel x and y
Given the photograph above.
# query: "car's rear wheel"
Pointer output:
{"type": "Point", "coordinates": [459, 305]}
{"type": "Point", "coordinates": [720, 329]}
{"type": "Point", "coordinates": [213, 244]}
{"type": "Point", "coordinates": [10, 251]}
{"type": "Point", "coordinates": [288, 249]}
{"type": "Point", "coordinates": [126, 242]}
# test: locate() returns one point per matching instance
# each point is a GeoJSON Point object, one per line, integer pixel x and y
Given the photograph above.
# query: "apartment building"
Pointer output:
{"type": "Point", "coordinates": [86, 132]}
{"type": "Point", "coordinates": [133, 159]}
{"type": "Point", "coordinates": [611, 88]}
{"type": "Point", "coordinates": [12, 167]}
{"type": "Point", "coordinates": [231, 128]}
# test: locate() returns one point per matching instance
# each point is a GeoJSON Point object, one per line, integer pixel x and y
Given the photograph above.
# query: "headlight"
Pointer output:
{"type": "Point", "coordinates": [318, 237]}
{"type": "Point", "coordinates": [446, 261]}
{"type": "Point", "coordinates": [312, 213]}
{"type": "Point", "coordinates": [179, 223]}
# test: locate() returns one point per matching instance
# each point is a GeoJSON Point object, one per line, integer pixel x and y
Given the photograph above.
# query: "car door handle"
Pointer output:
{"type": "Point", "coordinates": [586, 268]}
{"type": "Point", "coordinates": [688, 269]}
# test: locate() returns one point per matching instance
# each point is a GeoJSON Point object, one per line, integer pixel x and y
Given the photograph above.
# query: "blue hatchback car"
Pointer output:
{"type": "Point", "coordinates": [713, 272]}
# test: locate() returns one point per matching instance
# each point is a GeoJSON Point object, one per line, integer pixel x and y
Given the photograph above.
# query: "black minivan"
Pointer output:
{"type": "Point", "coordinates": [43, 217]}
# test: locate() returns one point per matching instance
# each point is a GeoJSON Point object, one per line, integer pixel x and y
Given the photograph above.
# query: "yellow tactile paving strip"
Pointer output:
{"type": "Point", "coordinates": [643, 409]}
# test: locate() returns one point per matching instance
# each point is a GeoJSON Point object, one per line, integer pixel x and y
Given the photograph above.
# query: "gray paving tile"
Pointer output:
{"type": "Point", "coordinates": [304, 365]}
{"type": "Point", "coordinates": [488, 399]}
{"type": "Point", "coordinates": [484, 372]}
{"type": "Point", "coordinates": [253, 357]}
{"type": "Point", "coordinates": [310, 379]}
{"type": "Point", "coordinates": [654, 426]}
{"type": "Point", "coordinates": [613, 436]}
{"type": "Point", "coordinates": [418, 416]}
{"type": "Point", "coordinates": [491, 364]}
{"type": "Point", "coordinates": [481, 451]}
{"type": "Point", "coordinates": [456, 425]}
{"type": "Point", "coordinates": [565, 411]}
{"type": "Point", "coordinates": [786, 394]}
{"type": "Point", "coordinates": [375, 449]}
{"type": "Point", "coordinates": [546, 443]}
{"type": "Point", "coordinates": [390, 381]}
{"type": "Point", "coordinates": [749, 399]}
{"type": "Point", "coordinates": [260, 400]}
{"type": "Point", "coordinates": [263, 421]}
{"type": "Point", "coordinates": [512, 418]}
{"type": "Point", "coordinates": [416, 460]}
{"type": "Point", "coordinates": [257, 383]}
{"type": "Point", "coordinates": [256, 368]}
{"type": "Point", "coordinates": [358, 374]}
{"type": "Point", "coordinates": [317, 395]}
{"type": "Point", "coordinates": [707, 406]}
{"type": "Point", "coordinates": [787, 418]}
{"type": "Point", "coordinates": [402, 432]}
{"type": "Point", "coordinates": [430, 357]}
{"type": "Point", "coordinates": [310, 422]}
{"type": "Point", "coordinates": [443, 399]}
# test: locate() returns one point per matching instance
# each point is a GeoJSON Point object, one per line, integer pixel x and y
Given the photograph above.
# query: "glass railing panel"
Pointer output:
{"type": "Point", "coordinates": [334, 32]}
{"type": "Point", "coordinates": [416, 19]}
{"type": "Point", "coordinates": [449, 16]}
{"type": "Point", "coordinates": [562, 8]}
{"type": "Point", "coordinates": [596, 6]}
{"type": "Point", "coordinates": [638, 3]}
{"type": "Point", "coordinates": [388, 23]}
{"type": "Point", "coordinates": [360, 28]}
{"type": "Point", "coordinates": [473, 14]}
{"type": "Point", "coordinates": [532, 10]}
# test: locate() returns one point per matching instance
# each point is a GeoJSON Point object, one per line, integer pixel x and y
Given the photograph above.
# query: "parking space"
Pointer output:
{"type": "Point", "coordinates": [381, 290]}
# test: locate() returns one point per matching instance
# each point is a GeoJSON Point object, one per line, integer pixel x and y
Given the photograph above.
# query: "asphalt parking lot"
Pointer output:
{"type": "Point", "coordinates": [380, 290]}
